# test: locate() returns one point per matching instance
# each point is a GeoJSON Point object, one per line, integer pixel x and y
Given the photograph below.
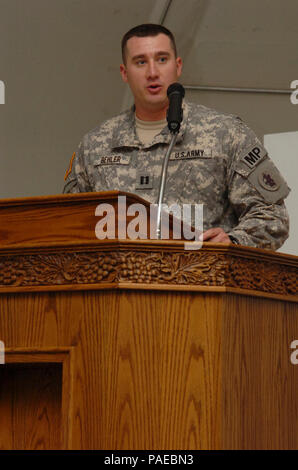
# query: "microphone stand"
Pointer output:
{"type": "Point", "coordinates": [163, 183]}
{"type": "Point", "coordinates": [175, 94]}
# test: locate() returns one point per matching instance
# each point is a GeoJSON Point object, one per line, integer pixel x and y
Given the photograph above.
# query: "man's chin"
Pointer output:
{"type": "Point", "coordinates": [157, 102]}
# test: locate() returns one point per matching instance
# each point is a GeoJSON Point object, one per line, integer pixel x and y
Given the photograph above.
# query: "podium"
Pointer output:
{"type": "Point", "coordinates": [140, 344]}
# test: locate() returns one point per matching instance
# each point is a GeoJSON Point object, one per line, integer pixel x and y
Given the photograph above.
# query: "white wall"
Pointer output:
{"type": "Point", "coordinates": [283, 149]}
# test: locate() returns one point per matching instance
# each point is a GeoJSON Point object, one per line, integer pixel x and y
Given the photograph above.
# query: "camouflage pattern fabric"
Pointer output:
{"type": "Point", "coordinates": [217, 161]}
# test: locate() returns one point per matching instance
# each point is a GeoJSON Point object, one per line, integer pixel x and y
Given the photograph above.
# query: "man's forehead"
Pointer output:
{"type": "Point", "coordinates": [136, 46]}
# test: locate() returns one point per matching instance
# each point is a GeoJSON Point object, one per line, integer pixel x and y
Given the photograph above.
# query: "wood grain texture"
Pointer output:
{"type": "Point", "coordinates": [30, 406]}
{"type": "Point", "coordinates": [35, 398]}
{"type": "Point", "coordinates": [140, 344]}
{"type": "Point", "coordinates": [67, 218]}
{"type": "Point", "coordinates": [260, 401]}
{"type": "Point", "coordinates": [164, 370]}
{"type": "Point", "coordinates": [165, 393]}
{"type": "Point", "coordinates": [146, 373]}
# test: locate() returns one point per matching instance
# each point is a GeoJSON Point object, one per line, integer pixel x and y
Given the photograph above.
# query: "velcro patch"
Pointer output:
{"type": "Point", "coordinates": [190, 154]}
{"type": "Point", "coordinates": [144, 180]}
{"type": "Point", "coordinates": [113, 160]}
{"type": "Point", "coordinates": [253, 155]}
{"type": "Point", "coordinates": [268, 181]}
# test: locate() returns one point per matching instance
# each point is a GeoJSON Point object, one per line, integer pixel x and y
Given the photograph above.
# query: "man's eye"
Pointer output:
{"type": "Point", "coordinates": [140, 62]}
{"type": "Point", "coordinates": [162, 59]}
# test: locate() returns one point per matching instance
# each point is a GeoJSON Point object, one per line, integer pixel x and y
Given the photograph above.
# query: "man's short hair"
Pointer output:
{"type": "Point", "coordinates": [145, 30]}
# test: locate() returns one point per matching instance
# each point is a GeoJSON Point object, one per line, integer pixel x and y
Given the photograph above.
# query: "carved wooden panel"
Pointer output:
{"type": "Point", "coordinates": [156, 267]}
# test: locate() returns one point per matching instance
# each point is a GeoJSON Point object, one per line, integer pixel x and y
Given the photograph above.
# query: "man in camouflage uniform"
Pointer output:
{"type": "Point", "coordinates": [217, 160]}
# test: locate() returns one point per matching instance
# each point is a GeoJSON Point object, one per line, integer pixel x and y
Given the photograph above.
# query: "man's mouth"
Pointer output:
{"type": "Point", "coordinates": [154, 88]}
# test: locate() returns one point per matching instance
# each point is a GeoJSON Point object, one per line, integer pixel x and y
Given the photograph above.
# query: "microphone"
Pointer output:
{"type": "Point", "coordinates": [175, 94]}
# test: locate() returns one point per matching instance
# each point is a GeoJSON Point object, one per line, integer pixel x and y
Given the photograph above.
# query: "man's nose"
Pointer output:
{"type": "Point", "coordinates": [152, 70]}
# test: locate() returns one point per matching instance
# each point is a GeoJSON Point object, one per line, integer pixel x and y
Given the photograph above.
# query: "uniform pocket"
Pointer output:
{"type": "Point", "coordinates": [198, 179]}
{"type": "Point", "coordinates": [114, 172]}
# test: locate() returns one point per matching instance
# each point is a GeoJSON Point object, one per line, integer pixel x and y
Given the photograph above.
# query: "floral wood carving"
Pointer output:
{"type": "Point", "coordinates": [168, 268]}
{"type": "Point", "coordinates": [57, 269]}
{"type": "Point", "coordinates": [173, 268]}
{"type": "Point", "coordinates": [262, 276]}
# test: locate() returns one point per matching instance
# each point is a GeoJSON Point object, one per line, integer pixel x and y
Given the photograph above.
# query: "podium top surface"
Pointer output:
{"type": "Point", "coordinates": [50, 241]}
{"type": "Point", "coordinates": [69, 219]}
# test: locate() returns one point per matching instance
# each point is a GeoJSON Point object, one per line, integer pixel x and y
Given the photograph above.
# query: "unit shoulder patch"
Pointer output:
{"type": "Point", "coordinates": [268, 181]}
{"type": "Point", "coordinates": [68, 171]}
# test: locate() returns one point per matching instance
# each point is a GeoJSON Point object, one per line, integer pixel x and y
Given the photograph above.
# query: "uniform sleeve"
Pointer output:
{"type": "Point", "coordinates": [256, 192]}
{"type": "Point", "coordinates": [76, 178]}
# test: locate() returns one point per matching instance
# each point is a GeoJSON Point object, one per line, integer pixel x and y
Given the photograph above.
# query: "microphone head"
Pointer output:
{"type": "Point", "coordinates": [176, 88]}
{"type": "Point", "coordinates": [175, 94]}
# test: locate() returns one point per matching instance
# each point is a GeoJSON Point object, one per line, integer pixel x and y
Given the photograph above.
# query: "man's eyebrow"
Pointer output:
{"type": "Point", "coordinates": [142, 56]}
{"type": "Point", "coordinates": [139, 56]}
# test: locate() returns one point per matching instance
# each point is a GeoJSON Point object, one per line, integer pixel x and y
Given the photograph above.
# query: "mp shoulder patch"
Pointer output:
{"type": "Point", "coordinates": [253, 155]}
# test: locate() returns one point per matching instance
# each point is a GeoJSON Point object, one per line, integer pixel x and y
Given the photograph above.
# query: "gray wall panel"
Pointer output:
{"type": "Point", "coordinates": [60, 64]}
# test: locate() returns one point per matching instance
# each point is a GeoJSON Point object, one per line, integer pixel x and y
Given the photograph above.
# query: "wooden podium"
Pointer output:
{"type": "Point", "coordinates": [140, 344]}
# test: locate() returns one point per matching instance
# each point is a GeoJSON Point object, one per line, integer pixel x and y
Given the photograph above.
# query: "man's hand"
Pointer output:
{"type": "Point", "coordinates": [215, 235]}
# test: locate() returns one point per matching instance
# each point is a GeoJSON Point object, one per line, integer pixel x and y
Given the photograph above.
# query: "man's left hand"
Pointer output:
{"type": "Point", "coordinates": [215, 235]}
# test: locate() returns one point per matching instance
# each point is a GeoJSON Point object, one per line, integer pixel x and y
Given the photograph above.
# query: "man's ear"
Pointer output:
{"type": "Point", "coordinates": [123, 72]}
{"type": "Point", "coordinates": [179, 66]}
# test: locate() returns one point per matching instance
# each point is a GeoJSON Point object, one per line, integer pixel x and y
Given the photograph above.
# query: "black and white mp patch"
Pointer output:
{"type": "Point", "coordinates": [253, 156]}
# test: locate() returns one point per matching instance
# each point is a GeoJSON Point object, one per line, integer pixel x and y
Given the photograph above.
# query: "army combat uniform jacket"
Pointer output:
{"type": "Point", "coordinates": [217, 161]}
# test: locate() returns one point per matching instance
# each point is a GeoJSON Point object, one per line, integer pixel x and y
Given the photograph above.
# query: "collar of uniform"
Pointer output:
{"type": "Point", "coordinates": [125, 134]}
